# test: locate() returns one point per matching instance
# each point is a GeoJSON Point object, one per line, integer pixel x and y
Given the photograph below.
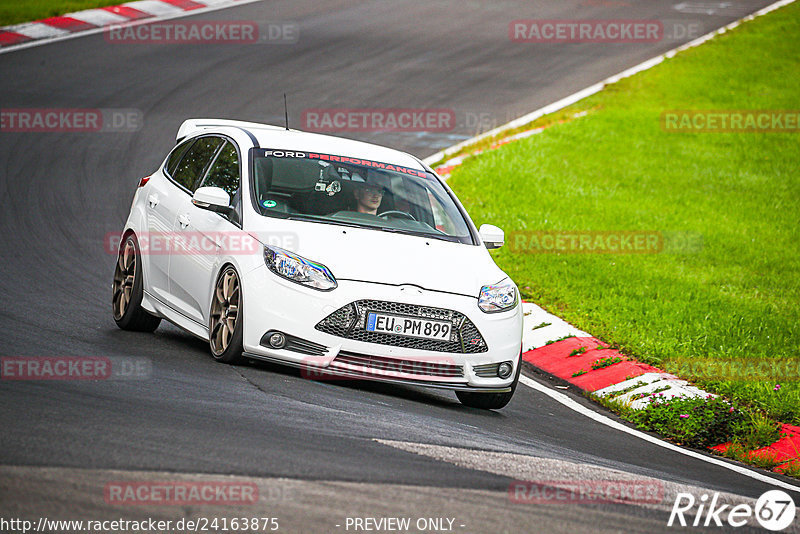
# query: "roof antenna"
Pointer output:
{"type": "Point", "coordinates": [285, 111]}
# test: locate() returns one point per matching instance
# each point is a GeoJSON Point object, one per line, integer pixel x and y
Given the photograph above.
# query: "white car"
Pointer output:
{"type": "Point", "coordinates": [343, 258]}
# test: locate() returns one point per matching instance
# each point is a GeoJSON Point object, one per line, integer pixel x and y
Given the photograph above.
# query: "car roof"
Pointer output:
{"type": "Point", "coordinates": [276, 137]}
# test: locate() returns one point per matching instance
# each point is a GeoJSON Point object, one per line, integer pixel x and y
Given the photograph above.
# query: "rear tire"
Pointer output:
{"type": "Point", "coordinates": [126, 302]}
{"type": "Point", "coordinates": [225, 325]}
{"type": "Point", "coordinates": [490, 401]}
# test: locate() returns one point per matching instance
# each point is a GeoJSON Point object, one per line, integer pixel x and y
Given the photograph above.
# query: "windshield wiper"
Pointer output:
{"type": "Point", "coordinates": [442, 237]}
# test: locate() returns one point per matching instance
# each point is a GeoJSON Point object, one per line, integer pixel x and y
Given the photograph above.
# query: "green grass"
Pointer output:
{"type": "Point", "coordinates": [615, 169]}
{"type": "Point", "coordinates": [702, 423]}
{"type": "Point", "coordinates": [602, 363]}
{"type": "Point", "coordinates": [577, 352]}
{"type": "Point", "coordinates": [792, 470]}
{"type": "Point", "coordinates": [15, 11]}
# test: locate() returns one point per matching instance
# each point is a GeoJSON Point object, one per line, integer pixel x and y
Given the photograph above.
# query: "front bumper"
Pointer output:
{"type": "Point", "coordinates": [272, 304]}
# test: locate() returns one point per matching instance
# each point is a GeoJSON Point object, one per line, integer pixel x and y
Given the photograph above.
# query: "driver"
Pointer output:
{"type": "Point", "coordinates": [369, 193]}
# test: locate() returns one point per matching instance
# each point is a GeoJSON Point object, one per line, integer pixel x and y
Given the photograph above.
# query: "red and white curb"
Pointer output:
{"type": "Point", "coordinates": [558, 348]}
{"type": "Point", "coordinates": [95, 20]}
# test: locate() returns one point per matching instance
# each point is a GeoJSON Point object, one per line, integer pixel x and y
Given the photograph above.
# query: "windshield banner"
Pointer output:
{"type": "Point", "coordinates": [274, 153]}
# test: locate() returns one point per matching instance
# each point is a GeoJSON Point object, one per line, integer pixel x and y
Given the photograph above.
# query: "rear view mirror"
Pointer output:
{"type": "Point", "coordinates": [492, 236]}
{"type": "Point", "coordinates": [213, 199]}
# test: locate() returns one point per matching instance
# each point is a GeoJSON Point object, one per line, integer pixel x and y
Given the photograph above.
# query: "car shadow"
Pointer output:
{"type": "Point", "coordinates": [411, 393]}
{"type": "Point", "coordinates": [186, 344]}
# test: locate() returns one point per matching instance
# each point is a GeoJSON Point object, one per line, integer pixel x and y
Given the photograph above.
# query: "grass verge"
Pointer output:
{"type": "Point", "coordinates": [16, 11]}
{"type": "Point", "coordinates": [705, 422]}
{"type": "Point", "coordinates": [734, 298]}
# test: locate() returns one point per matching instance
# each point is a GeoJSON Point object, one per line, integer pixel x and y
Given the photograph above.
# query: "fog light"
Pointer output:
{"type": "Point", "coordinates": [277, 340]}
{"type": "Point", "coordinates": [504, 369]}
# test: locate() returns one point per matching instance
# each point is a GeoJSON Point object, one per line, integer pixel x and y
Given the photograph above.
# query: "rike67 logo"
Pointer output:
{"type": "Point", "coordinates": [774, 510]}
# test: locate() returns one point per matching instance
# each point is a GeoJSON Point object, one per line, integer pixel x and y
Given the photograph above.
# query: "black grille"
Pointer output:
{"type": "Point", "coordinates": [487, 370]}
{"type": "Point", "coordinates": [296, 344]}
{"type": "Point", "coordinates": [349, 322]}
{"type": "Point", "coordinates": [368, 363]}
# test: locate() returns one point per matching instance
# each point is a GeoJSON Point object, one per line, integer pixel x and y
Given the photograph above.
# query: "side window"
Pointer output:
{"type": "Point", "coordinates": [224, 172]}
{"type": "Point", "coordinates": [176, 155]}
{"type": "Point", "coordinates": [197, 158]}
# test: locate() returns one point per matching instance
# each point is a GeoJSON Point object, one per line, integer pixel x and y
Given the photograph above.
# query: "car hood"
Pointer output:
{"type": "Point", "coordinates": [383, 257]}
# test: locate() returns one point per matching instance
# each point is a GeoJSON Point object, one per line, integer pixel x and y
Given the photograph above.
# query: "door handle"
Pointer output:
{"type": "Point", "coordinates": [152, 200]}
{"type": "Point", "coordinates": [184, 220]}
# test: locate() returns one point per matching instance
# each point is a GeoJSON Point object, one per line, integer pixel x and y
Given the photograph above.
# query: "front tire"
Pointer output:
{"type": "Point", "coordinates": [490, 401]}
{"type": "Point", "coordinates": [128, 292]}
{"type": "Point", "coordinates": [225, 323]}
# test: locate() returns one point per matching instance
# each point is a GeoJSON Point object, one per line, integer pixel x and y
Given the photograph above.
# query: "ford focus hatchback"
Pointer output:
{"type": "Point", "coordinates": [345, 259]}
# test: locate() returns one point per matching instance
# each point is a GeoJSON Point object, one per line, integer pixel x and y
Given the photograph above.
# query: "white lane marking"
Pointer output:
{"type": "Point", "coordinates": [98, 17]}
{"type": "Point", "coordinates": [63, 36]}
{"type": "Point", "coordinates": [560, 473]}
{"type": "Point", "coordinates": [37, 30]}
{"type": "Point", "coordinates": [580, 95]}
{"type": "Point", "coordinates": [602, 419]}
{"type": "Point", "coordinates": [702, 8]}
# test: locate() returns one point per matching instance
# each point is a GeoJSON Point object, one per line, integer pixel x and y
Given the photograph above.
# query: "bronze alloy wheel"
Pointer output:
{"type": "Point", "coordinates": [224, 311]}
{"type": "Point", "coordinates": [128, 290]}
{"type": "Point", "coordinates": [124, 278]}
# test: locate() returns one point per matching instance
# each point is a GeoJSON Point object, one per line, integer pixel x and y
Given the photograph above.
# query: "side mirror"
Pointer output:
{"type": "Point", "coordinates": [213, 199]}
{"type": "Point", "coordinates": [492, 236]}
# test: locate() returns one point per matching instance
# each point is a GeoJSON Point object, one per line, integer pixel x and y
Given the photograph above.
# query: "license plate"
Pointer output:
{"type": "Point", "coordinates": [408, 326]}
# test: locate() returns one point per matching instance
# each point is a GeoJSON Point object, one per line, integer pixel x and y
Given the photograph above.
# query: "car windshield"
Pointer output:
{"type": "Point", "coordinates": [354, 192]}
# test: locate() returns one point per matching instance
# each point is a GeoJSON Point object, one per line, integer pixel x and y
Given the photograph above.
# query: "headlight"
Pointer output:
{"type": "Point", "coordinates": [298, 269]}
{"type": "Point", "coordinates": [498, 297]}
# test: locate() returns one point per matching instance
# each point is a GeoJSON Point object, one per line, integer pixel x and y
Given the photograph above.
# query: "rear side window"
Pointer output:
{"type": "Point", "coordinates": [195, 161]}
{"type": "Point", "coordinates": [176, 155]}
{"type": "Point", "coordinates": [224, 172]}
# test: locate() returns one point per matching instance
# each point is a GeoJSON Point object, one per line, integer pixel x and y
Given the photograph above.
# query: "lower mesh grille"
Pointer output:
{"type": "Point", "coordinates": [368, 363]}
{"type": "Point", "coordinates": [350, 322]}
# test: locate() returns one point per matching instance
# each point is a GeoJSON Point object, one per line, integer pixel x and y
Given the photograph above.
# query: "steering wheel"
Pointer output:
{"type": "Point", "coordinates": [397, 213]}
